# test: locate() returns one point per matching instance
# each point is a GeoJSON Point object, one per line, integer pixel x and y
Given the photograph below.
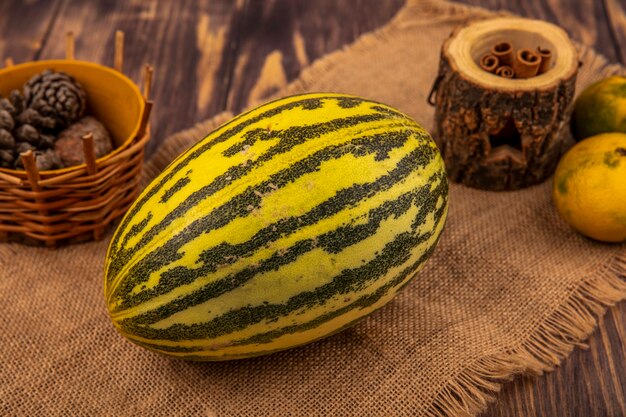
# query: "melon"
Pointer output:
{"type": "Point", "coordinates": [284, 225]}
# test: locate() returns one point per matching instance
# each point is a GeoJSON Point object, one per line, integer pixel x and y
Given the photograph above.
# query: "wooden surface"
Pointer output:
{"type": "Point", "coordinates": [210, 56]}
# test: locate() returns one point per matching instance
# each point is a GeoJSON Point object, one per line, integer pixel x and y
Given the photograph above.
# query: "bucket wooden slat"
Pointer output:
{"type": "Point", "coordinates": [34, 217]}
{"type": "Point", "coordinates": [74, 204]}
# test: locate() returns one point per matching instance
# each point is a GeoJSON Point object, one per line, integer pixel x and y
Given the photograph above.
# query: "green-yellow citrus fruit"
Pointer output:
{"type": "Point", "coordinates": [600, 108]}
{"type": "Point", "coordinates": [589, 188]}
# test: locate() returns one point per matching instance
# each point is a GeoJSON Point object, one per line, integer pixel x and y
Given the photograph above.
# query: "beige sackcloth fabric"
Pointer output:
{"type": "Point", "coordinates": [510, 289]}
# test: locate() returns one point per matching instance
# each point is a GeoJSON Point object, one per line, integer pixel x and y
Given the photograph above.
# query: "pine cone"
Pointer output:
{"type": "Point", "coordinates": [55, 95]}
{"type": "Point", "coordinates": [27, 133]}
{"type": "Point", "coordinates": [22, 147]}
{"type": "Point", "coordinates": [50, 102]}
{"type": "Point", "coordinates": [33, 118]}
{"type": "Point", "coordinates": [7, 158]}
{"type": "Point", "coordinates": [44, 160]}
{"type": "Point", "coordinates": [7, 105]}
{"type": "Point", "coordinates": [69, 144]}
{"type": "Point", "coordinates": [17, 102]}
{"type": "Point", "coordinates": [6, 120]}
{"type": "Point", "coordinates": [24, 126]}
{"type": "Point", "coordinates": [7, 141]}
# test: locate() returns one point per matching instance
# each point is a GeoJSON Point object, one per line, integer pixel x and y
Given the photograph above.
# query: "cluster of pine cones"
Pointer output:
{"type": "Point", "coordinates": [32, 119]}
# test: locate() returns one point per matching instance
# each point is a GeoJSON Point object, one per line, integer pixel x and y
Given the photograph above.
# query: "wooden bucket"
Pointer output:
{"type": "Point", "coordinates": [78, 203]}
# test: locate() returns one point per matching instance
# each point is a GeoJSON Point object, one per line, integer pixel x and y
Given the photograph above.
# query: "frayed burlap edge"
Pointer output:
{"type": "Point", "coordinates": [471, 391]}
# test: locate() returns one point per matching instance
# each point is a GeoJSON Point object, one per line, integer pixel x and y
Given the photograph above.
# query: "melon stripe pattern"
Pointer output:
{"type": "Point", "coordinates": [283, 226]}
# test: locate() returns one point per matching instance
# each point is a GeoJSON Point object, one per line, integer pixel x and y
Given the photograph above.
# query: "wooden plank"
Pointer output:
{"type": "Point", "coordinates": [278, 38]}
{"type": "Point", "coordinates": [588, 383]}
{"type": "Point", "coordinates": [584, 20]}
{"type": "Point", "coordinates": [24, 27]}
{"type": "Point", "coordinates": [616, 15]}
{"type": "Point", "coordinates": [184, 40]}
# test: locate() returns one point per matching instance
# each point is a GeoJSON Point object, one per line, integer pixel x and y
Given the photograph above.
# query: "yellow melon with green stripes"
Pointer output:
{"type": "Point", "coordinates": [283, 226]}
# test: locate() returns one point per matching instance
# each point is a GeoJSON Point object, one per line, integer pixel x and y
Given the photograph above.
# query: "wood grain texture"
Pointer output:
{"type": "Point", "coordinates": [184, 40]}
{"type": "Point", "coordinates": [278, 38]}
{"type": "Point", "coordinates": [589, 383]}
{"type": "Point", "coordinates": [213, 55]}
{"type": "Point", "coordinates": [616, 15]}
{"type": "Point", "coordinates": [588, 21]}
{"type": "Point", "coordinates": [25, 26]}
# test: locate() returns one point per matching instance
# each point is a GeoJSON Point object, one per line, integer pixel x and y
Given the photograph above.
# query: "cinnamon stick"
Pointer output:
{"type": "Point", "coordinates": [526, 63]}
{"type": "Point", "coordinates": [546, 59]}
{"type": "Point", "coordinates": [504, 52]}
{"type": "Point", "coordinates": [505, 71]}
{"type": "Point", "coordinates": [489, 63]}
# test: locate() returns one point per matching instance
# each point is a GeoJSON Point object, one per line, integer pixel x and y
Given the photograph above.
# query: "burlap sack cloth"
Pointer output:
{"type": "Point", "coordinates": [510, 289]}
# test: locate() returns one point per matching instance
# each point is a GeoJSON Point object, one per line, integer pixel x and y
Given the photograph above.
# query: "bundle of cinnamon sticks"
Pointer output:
{"type": "Point", "coordinates": [504, 61]}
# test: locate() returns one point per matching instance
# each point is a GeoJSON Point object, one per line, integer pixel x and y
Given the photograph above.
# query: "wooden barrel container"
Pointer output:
{"type": "Point", "coordinates": [500, 133]}
{"type": "Point", "coordinates": [79, 202]}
